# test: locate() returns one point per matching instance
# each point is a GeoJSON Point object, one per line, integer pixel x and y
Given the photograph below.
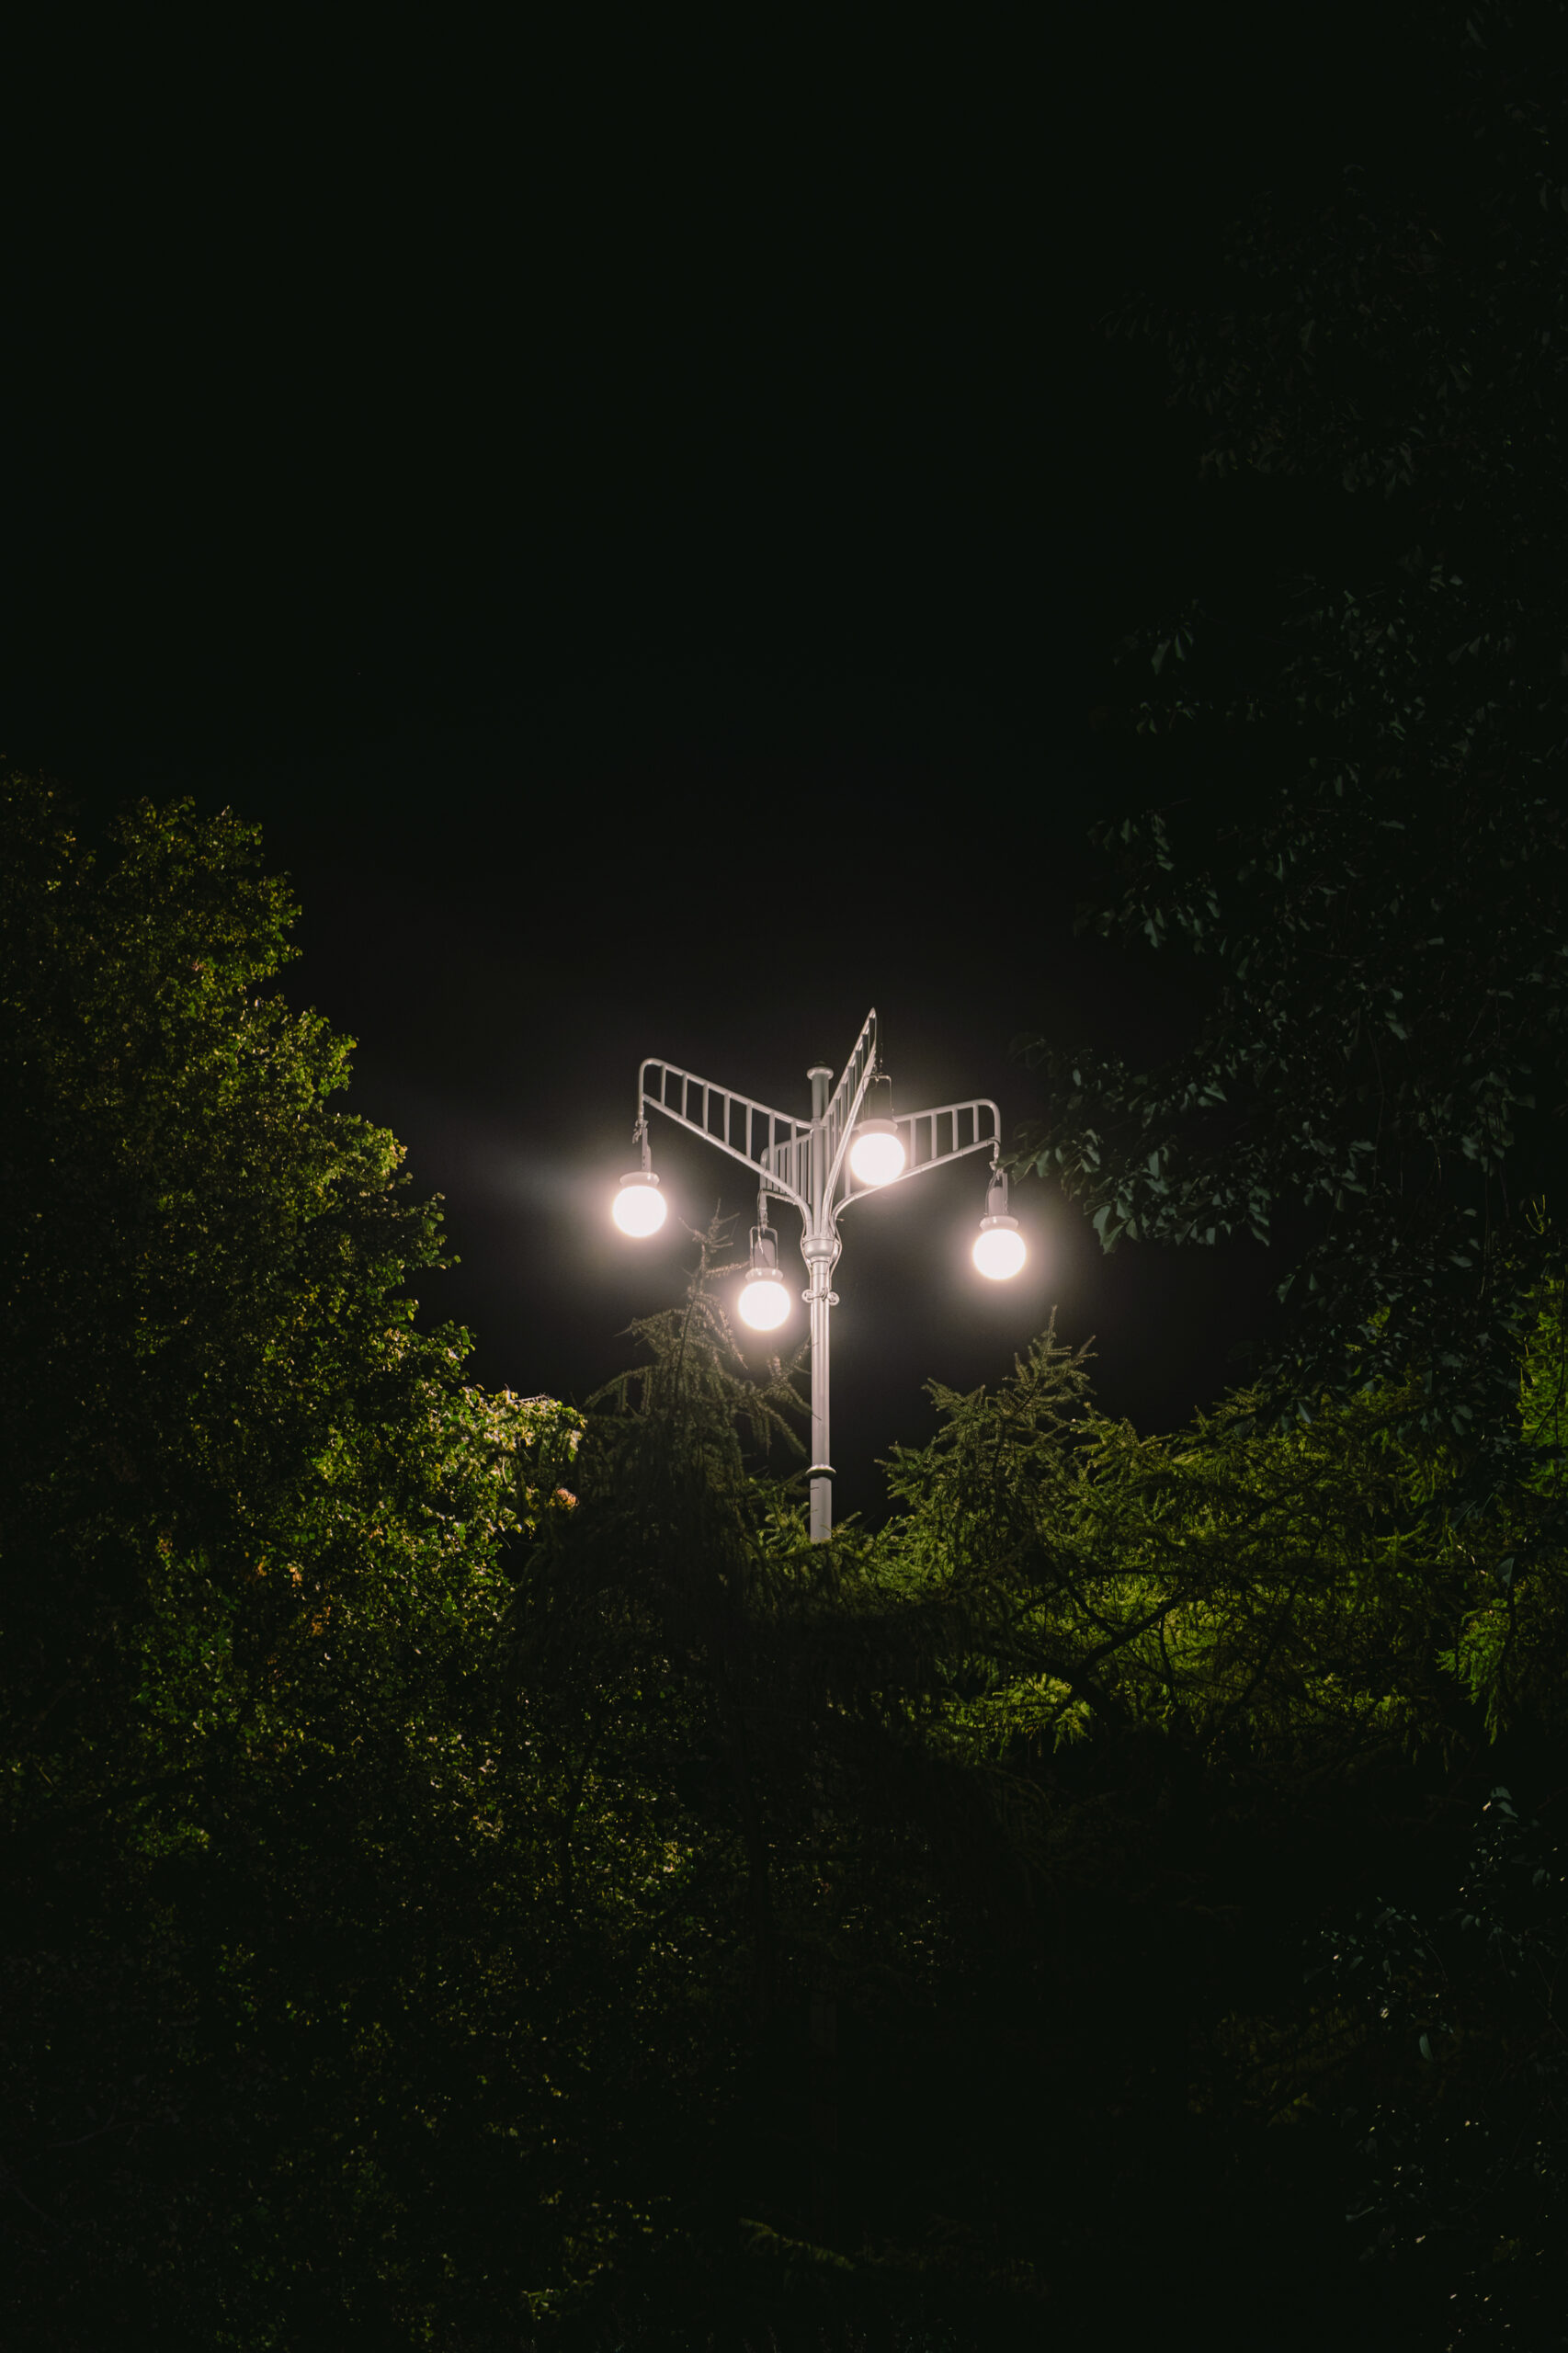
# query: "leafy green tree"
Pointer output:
{"type": "Point", "coordinates": [204, 1264]}
{"type": "Point", "coordinates": [713, 1690]}
{"type": "Point", "coordinates": [1363, 686]}
{"type": "Point", "coordinates": [1250, 1642]}
{"type": "Point", "coordinates": [1080, 1675]}
{"type": "Point", "coordinates": [476, 1874]}
{"type": "Point", "coordinates": [416, 1805]}
{"type": "Point", "coordinates": [1248, 1591]}
{"type": "Point", "coordinates": [285, 1985]}
{"type": "Point", "coordinates": [1422, 2043]}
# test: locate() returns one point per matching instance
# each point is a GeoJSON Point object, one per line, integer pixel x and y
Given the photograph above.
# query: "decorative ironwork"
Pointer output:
{"type": "Point", "coordinates": [807, 1162]}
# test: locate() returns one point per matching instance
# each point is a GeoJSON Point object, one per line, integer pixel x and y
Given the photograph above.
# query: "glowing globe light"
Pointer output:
{"type": "Point", "coordinates": [999, 1247]}
{"type": "Point", "coordinates": [639, 1207]}
{"type": "Point", "coordinates": [877, 1154]}
{"type": "Point", "coordinates": [765, 1303]}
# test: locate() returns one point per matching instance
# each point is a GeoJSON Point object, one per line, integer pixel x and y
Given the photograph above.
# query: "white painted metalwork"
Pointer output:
{"type": "Point", "coordinates": [977, 1123]}
{"type": "Point", "coordinates": [764, 1132]}
{"type": "Point", "coordinates": [806, 1162]}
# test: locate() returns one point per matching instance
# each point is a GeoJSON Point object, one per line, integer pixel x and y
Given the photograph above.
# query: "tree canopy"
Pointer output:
{"type": "Point", "coordinates": [476, 1874]}
{"type": "Point", "coordinates": [1365, 855]}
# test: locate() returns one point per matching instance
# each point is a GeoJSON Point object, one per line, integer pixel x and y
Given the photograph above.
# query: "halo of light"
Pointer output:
{"type": "Point", "coordinates": [765, 1303]}
{"type": "Point", "coordinates": [639, 1206]}
{"type": "Point", "coordinates": [999, 1248]}
{"type": "Point", "coordinates": [877, 1154]}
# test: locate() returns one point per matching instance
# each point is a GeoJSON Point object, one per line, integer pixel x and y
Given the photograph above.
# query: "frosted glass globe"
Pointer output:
{"type": "Point", "coordinates": [765, 1303]}
{"type": "Point", "coordinates": [877, 1154]}
{"type": "Point", "coordinates": [639, 1206]}
{"type": "Point", "coordinates": [999, 1250]}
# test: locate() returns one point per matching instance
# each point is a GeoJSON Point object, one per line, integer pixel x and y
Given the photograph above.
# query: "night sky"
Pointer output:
{"type": "Point", "coordinates": [642, 520]}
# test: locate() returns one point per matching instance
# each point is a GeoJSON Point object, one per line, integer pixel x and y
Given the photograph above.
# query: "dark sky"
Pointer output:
{"type": "Point", "coordinates": [641, 518]}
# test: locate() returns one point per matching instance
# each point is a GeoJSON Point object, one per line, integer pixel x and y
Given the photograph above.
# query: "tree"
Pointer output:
{"type": "Point", "coordinates": [263, 1930]}
{"type": "Point", "coordinates": [204, 1264]}
{"type": "Point", "coordinates": [1203, 1676]}
{"type": "Point", "coordinates": [428, 1821]}
{"type": "Point", "coordinates": [475, 1872]}
{"type": "Point", "coordinates": [704, 1676]}
{"type": "Point", "coordinates": [1370, 670]}
{"type": "Point", "coordinates": [1455, 2117]}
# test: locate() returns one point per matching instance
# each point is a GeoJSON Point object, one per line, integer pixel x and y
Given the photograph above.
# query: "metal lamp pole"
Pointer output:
{"type": "Point", "coordinates": [808, 1164]}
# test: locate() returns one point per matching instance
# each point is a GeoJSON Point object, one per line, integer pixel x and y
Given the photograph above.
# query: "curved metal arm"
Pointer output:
{"type": "Point", "coordinates": [847, 1133]}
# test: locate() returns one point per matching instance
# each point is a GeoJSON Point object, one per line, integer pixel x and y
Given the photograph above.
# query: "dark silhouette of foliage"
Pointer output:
{"type": "Point", "coordinates": [475, 1875]}
{"type": "Point", "coordinates": [1370, 873]}
{"type": "Point", "coordinates": [1459, 2129]}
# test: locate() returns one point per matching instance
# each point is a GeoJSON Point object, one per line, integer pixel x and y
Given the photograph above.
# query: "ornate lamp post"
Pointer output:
{"type": "Point", "coordinates": [852, 1144]}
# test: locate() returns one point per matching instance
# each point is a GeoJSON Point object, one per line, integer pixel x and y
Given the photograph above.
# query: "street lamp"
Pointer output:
{"type": "Point", "coordinates": [998, 1246]}
{"type": "Point", "coordinates": [639, 1207]}
{"type": "Point", "coordinates": [876, 1153]}
{"type": "Point", "coordinates": [851, 1145]}
{"type": "Point", "coordinates": [765, 1302]}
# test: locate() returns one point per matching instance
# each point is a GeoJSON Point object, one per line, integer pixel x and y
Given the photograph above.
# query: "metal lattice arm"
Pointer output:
{"type": "Point", "coordinates": [930, 1139]}
{"type": "Point", "coordinates": [763, 1141]}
